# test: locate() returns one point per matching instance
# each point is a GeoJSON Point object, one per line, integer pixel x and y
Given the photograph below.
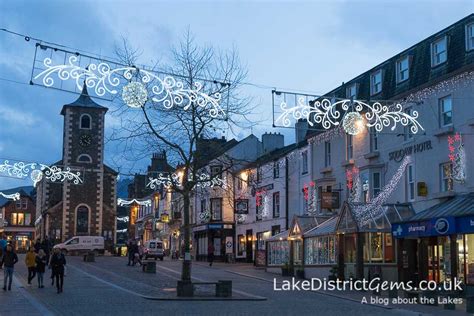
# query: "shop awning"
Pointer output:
{"type": "Point", "coordinates": [326, 228]}
{"type": "Point", "coordinates": [280, 236]}
{"type": "Point", "coordinates": [459, 205]}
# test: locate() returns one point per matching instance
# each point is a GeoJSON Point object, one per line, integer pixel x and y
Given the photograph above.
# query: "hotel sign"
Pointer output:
{"type": "Point", "coordinates": [330, 200]}
{"type": "Point", "coordinates": [398, 155]}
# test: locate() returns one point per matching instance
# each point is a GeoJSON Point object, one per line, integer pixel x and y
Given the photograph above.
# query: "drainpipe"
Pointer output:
{"type": "Point", "coordinates": [287, 211]}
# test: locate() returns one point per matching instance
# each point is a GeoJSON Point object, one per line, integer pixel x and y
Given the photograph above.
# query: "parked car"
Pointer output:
{"type": "Point", "coordinates": [82, 244]}
{"type": "Point", "coordinates": [154, 249]}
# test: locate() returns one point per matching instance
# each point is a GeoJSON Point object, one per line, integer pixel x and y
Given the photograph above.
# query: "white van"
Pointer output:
{"type": "Point", "coordinates": [154, 249]}
{"type": "Point", "coordinates": [82, 244]}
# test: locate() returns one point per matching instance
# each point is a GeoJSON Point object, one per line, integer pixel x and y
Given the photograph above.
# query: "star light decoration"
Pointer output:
{"type": "Point", "coordinates": [169, 180]}
{"type": "Point", "coordinates": [38, 171]}
{"type": "Point", "coordinates": [104, 79]}
{"type": "Point", "coordinates": [375, 209]}
{"type": "Point", "coordinates": [123, 202]}
{"type": "Point", "coordinates": [14, 196]}
{"type": "Point", "coordinates": [328, 113]}
{"type": "Point", "coordinates": [457, 156]}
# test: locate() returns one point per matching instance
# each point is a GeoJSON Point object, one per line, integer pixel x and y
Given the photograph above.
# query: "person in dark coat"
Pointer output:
{"type": "Point", "coordinates": [210, 254]}
{"type": "Point", "coordinates": [37, 245]}
{"type": "Point", "coordinates": [40, 266]}
{"type": "Point", "coordinates": [58, 261]}
{"type": "Point", "coordinates": [135, 253]}
{"type": "Point", "coordinates": [9, 260]}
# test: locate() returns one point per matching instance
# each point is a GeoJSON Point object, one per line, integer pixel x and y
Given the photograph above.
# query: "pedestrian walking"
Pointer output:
{"type": "Point", "coordinates": [30, 261]}
{"type": "Point", "coordinates": [41, 262]}
{"type": "Point", "coordinates": [45, 245]}
{"type": "Point", "coordinates": [3, 246]}
{"type": "Point", "coordinates": [58, 262]}
{"type": "Point", "coordinates": [130, 253]}
{"type": "Point", "coordinates": [9, 260]}
{"type": "Point", "coordinates": [210, 254]}
{"type": "Point", "coordinates": [37, 245]}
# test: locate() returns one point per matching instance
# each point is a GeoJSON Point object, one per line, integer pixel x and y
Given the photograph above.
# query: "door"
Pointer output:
{"type": "Point", "coordinates": [248, 247]}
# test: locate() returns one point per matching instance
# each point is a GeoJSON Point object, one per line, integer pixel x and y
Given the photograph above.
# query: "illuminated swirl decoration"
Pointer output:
{"type": "Point", "coordinates": [14, 196]}
{"type": "Point", "coordinates": [38, 171]}
{"type": "Point", "coordinates": [375, 209]}
{"type": "Point", "coordinates": [203, 180]}
{"type": "Point", "coordinates": [103, 79]}
{"type": "Point", "coordinates": [328, 114]}
{"type": "Point", "coordinates": [122, 202]}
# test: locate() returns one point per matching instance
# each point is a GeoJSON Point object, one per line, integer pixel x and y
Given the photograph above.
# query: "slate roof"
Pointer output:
{"type": "Point", "coordinates": [84, 101]}
{"type": "Point", "coordinates": [24, 191]}
{"type": "Point", "coordinates": [459, 205]}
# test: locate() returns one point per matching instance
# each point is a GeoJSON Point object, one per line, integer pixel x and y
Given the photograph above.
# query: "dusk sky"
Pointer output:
{"type": "Point", "coordinates": [307, 46]}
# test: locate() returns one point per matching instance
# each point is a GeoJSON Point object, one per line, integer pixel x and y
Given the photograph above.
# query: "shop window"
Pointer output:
{"type": "Point", "coordinates": [350, 248]}
{"type": "Point", "coordinates": [278, 252]}
{"type": "Point", "coordinates": [261, 240]}
{"type": "Point", "coordinates": [216, 209]}
{"type": "Point", "coordinates": [379, 248]}
{"type": "Point", "coordinates": [240, 245]}
{"type": "Point", "coordinates": [446, 180]}
{"type": "Point", "coordinates": [320, 250]}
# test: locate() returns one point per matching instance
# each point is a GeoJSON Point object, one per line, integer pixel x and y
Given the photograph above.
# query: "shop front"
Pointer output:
{"type": "Point", "coordinates": [438, 244]}
{"type": "Point", "coordinates": [364, 240]}
{"type": "Point", "coordinates": [220, 235]}
{"type": "Point", "coordinates": [278, 252]}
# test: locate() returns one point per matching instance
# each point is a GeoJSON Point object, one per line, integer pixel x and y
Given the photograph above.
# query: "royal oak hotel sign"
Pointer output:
{"type": "Point", "coordinates": [398, 155]}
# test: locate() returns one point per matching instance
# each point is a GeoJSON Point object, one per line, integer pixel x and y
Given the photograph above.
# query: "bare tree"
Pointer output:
{"type": "Point", "coordinates": [178, 129]}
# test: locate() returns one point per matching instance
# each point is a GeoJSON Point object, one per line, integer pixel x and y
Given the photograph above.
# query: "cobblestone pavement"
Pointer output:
{"type": "Point", "coordinates": [110, 287]}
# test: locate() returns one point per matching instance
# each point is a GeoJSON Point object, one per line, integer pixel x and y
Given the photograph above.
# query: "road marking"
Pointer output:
{"type": "Point", "coordinates": [31, 299]}
{"type": "Point", "coordinates": [202, 280]}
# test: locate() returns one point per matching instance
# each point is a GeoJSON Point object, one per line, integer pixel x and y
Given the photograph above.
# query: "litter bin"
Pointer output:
{"type": "Point", "coordinates": [224, 288]}
{"type": "Point", "coordinates": [149, 267]}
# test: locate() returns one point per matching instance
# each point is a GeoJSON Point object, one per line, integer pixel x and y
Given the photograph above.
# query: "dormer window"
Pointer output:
{"type": "Point", "coordinates": [85, 121]}
{"type": "Point", "coordinates": [376, 82]}
{"type": "Point", "coordinates": [470, 36]}
{"type": "Point", "coordinates": [439, 52]}
{"type": "Point", "coordinates": [402, 69]}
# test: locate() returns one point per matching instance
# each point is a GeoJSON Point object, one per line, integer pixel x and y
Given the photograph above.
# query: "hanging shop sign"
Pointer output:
{"type": "Point", "coordinates": [330, 200]}
{"type": "Point", "coordinates": [241, 206]}
{"type": "Point", "coordinates": [440, 226]}
{"type": "Point", "coordinates": [398, 155]}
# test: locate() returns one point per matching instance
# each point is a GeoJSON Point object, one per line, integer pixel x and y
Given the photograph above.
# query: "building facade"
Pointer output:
{"type": "Point", "coordinates": [88, 208]}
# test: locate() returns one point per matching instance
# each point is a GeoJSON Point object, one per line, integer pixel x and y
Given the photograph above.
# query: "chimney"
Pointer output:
{"type": "Point", "coordinates": [272, 141]}
{"type": "Point", "coordinates": [301, 128]}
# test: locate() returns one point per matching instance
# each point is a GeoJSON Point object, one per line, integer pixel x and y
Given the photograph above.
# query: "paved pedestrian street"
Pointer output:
{"type": "Point", "coordinates": [110, 287]}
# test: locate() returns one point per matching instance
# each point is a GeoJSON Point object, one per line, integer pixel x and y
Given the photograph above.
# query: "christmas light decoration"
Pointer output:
{"type": "Point", "coordinates": [374, 209]}
{"type": "Point", "coordinates": [327, 136]}
{"type": "Point", "coordinates": [123, 202]}
{"type": "Point", "coordinates": [457, 156]}
{"type": "Point", "coordinates": [14, 196]}
{"type": "Point", "coordinates": [103, 79]}
{"type": "Point", "coordinates": [204, 215]}
{"type": "Point", "coordinates": [241, 218]}
{"type": "Point", "coordinates": [353, 123]}
{"type": "Point", "coordinates": [353, 184]}
{"type": "Point", "coordinates": [134, 94]}
{"type": "Point", "coordinates": [327, 114]}
{"type": "Point", "coordinates": [262, 202]}
{"type": "Point", "coordinates": [309, 194]}
{"type": "Point", "coordinates": [38, 171]}
{"type": "Point", "coordinates": [203, 180]}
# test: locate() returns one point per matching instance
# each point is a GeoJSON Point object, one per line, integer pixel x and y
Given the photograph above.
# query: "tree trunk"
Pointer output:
{"type": "Point", "coordinates": [186, 271]}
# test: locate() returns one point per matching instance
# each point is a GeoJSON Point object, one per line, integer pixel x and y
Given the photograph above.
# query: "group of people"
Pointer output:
{"type": "Point", "coordinates": [37, 259]}
{"type": "Point", "coordinates": [134, 252]}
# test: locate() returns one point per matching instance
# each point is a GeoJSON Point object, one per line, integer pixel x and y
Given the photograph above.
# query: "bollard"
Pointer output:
{"type": "Point", "coordinates": [224, 288]}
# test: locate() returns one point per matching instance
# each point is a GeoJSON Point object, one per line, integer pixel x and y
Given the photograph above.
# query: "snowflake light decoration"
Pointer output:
{"type": "Point", "coordinates": [134, 94]}
{"type": "Point", "coordinates": [203, 180]}
{"type": "Point", "coordinates": [327, 114]}
{"type": "Point", "coordinates": [14, 196]}
{"type": "Point", "coordinates": [102, 78]}
{"type": "Point", "coordinates": [123, 202]}
{"type": "Point", "coordinates": [38, 171]}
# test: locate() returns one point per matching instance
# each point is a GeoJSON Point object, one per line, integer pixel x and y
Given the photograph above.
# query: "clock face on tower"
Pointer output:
{"type": "Point", "coordinates": [85, 140]}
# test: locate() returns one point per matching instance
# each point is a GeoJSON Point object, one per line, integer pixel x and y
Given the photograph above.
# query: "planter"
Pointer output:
{"type": "Point", "coordinates": [185, 289]}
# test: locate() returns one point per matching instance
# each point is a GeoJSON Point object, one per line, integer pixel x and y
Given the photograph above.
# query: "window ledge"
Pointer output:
{"type": "Point", "coordinates": [325, 170]}
{"type": "Point", "coordinates": [444, 194]}
{"type": "Point", "coordinates": [444, 131]}
{"type": "Point", "coordinates": [371, 155]}
{"type": "Point", "coordinates": [346, 163]}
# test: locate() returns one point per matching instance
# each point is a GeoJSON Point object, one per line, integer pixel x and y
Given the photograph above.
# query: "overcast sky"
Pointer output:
{"type": "Point", "coordinates": [309, 46]}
